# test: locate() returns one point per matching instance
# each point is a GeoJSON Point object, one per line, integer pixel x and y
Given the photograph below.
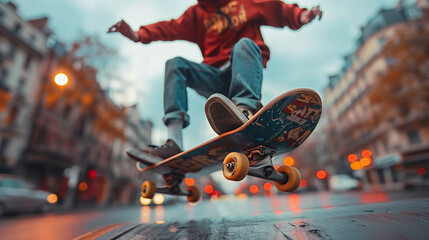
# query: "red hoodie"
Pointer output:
{"type": "Point", "coordinates": [201, 24]}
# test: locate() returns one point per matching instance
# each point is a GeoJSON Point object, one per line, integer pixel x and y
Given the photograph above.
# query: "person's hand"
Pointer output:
{"type": "Point", "coordinates": [125, 30]}
{"type": "Point", "coordinates": [308, 15]}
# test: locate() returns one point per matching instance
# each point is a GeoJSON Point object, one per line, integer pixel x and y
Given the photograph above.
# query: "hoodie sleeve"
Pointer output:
{"type": "Point", "coordinates": [279, 14]}
{"type": "Point", "coordinates": [182, 28]}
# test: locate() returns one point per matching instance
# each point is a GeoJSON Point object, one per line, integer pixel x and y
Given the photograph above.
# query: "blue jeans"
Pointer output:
{"type": "Point", "coordinates": [240, 81]}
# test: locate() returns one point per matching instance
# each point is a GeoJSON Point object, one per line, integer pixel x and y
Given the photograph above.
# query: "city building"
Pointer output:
{"type": "Point", "coordinates": [71, 138]}
{"type": "Point", "coordinates": [377, 103]}
{"type": "Point", "coordinates": [138, 135]}
{"type": "Point", "coordinates": [23, 48]}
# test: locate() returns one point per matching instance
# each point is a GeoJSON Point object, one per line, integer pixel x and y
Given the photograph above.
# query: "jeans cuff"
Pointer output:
{"type": "Point", "coordinates": [251, 103]}
{"type": "Point", "coordinates": [178, 115]}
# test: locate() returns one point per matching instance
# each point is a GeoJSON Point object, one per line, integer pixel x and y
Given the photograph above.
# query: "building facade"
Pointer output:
{"type": "Point", "coordinates": [70, 139]}
{"type": "Point", "coordinates": [377, 101]}
{"type": "Point", "coordinates": [23, 47]}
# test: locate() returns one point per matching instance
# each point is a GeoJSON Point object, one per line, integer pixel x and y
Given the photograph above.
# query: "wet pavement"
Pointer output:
{"type": "Point", "coordinates": [316, 215]}
{"type": "Point", "coordinates": [388, 220]}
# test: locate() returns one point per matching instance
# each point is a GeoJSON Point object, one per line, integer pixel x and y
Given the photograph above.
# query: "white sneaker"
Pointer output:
{"type": "Point", "coordinates": [223, 115]}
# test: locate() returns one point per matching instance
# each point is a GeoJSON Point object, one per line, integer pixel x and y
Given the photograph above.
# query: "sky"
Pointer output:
{"type": "Point", "coordinates": [303, 58]}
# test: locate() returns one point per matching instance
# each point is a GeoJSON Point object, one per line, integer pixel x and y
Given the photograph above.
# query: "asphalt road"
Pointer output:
{"type": "Point", "coordinates": [323, 215]}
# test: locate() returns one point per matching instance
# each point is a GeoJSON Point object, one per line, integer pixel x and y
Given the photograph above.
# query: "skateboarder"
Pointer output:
{"type": "Point", "coordinates": [230, 76]}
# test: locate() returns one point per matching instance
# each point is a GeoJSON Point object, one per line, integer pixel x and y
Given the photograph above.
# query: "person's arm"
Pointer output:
{"type": "Point", "coordinates": [276, 13]}
{"type": "Point", "coordinates": [125, 29]}
{"type": "Point", "coordinates": [308, 15]}
{"type": "Point", "coordinates": [183, 28]}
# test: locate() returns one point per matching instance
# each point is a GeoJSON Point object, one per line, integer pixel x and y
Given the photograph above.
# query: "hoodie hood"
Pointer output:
{"type": "Point", "coordinates": [211, 5]}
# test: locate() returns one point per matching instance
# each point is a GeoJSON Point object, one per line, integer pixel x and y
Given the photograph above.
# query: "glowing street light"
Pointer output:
{"type": "Point", "coordinates": [254, 189]}
{"type": "Point", "coordinates": [52, 198]}
{"type": "Point", "coordinates": [61, 79]}
{"type": "Point", "coordinates": [145, 201]}
{"type": "Point", "coordinates": [356, 165]}
{"type": "Point", "coordinates": [321, 174]}
{"type": "Point", "coordinates": [189, 181]}
{"type": "Point", "coordinates": [366, 153]}
{"type": "Point", "coordinates": [208, 189]}
{"type": "Point", "coordinates": [352, 158]}
{"type": "Point", "coordinates": [158, 199]}
{"type": "Point", "coordinates": [289, 161]}
{"type": "Point", "coordinates": [365, 161]}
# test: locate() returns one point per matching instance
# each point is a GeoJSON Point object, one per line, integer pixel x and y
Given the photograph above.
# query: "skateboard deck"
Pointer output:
{"type": "Point", "coordinates": [280, 126]}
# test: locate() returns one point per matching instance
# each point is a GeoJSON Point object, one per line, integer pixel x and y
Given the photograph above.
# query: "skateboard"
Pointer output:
{"type": "Point", "coordinates": [279, 127]}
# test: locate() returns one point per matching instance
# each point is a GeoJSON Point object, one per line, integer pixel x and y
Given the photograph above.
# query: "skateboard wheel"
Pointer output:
{"type": "Point", "coordinates": [294, 179]}
{"type": "Point", "coordinates": [235, 166]}
{"type": "Point", "coordinates": [148, 189]}
{"type": "Point", "coordinates": [194, 194]}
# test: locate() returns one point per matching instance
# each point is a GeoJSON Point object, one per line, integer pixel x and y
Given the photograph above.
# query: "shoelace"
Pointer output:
{"type": "Point", "coordinates": [246, 113]}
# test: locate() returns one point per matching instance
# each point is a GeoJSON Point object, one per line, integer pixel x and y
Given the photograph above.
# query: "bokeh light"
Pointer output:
{"type": "Point", "coordinates": [366, 153]}
{"type": "Point", "coordinates": [254, 189]}
{"type": "Point", "coordinates": [289, 161]}
{"type": "Point", "coordinates": [189, 181]}
{"type": "Point", "coordinates": [83, 186]}
{"type": "Point", "coordinates": [208, 189]}
{"type": "Point", "coordinates": [158, 199]}
{"type": "Point", "coordinates": [268, 186]}
{"type": "Point", "coordinates": [303, 183]}
{"type": "Point", "coordinates": [321, 174]}
{"type": "Point", "coordinates": [61, 79]}
{"type": "Point", "coordinates": [52, 198]}
{"type": "Point", "coordinates": [356, 165]}
{"type": "Point", "coordinates": [365, 161]}
{"type": "Point", "coordinates": [352, 158]}
{"type": "Point", "coordinates": [421, 171]}
{"type": "Point", "coordinates": [145, 201]}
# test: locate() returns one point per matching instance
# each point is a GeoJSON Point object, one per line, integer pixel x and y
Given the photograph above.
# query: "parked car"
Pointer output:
{"type": "Point", "coordinates": [19, 195]}
{"type": "Point", "coordinates": [339, 183]}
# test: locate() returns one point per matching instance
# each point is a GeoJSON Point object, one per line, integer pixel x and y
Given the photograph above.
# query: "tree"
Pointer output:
{"type": "Point", "coordinates": [90, 50]}
{"type": "Point", "coordinates": [402, 88]}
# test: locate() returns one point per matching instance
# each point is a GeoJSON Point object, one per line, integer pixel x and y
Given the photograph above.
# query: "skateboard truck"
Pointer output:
{"type": "Point", "coordinates": [261, 164]}
{"type": "Point", "coordinates": [172, 185]}
{"type": "Point", "coordinates": [172, 180]}
{"type": "Point", "coordinates": [257, 162]}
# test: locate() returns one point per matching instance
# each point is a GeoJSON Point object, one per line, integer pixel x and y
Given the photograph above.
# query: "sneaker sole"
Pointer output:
{"type": "Point", "coordinates": [222, 114]}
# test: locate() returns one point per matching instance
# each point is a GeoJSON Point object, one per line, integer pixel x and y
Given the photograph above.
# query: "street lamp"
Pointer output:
{"type": "Point", "coordinates": [61, 79]}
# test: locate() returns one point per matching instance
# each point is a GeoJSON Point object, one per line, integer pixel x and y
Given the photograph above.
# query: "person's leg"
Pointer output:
{"type": "Point", "coordinates": [180, 74]}
{"type": "Point", "coordinates": [246, 71]}
{"type": "Point", "coordinates": [244, 95]}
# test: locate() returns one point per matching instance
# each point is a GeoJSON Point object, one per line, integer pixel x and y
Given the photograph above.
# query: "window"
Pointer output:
{"type": "Point", "coordinates": [32, 39]}
{"type": "Point", "coordinates": [394, 173]}
{"type": "Point", "coordinates": [28, 61]}
{"type": "Point", "coordinates": [67, 111]}
{"type": "Point", "coordinates": [17, 28]}
{"type": "Point", "coordinates": [21, 86]}
{"type": "Point", "coordinates": [382, 41]}
{"type": "Point", "coordinates": [3, 145]}
{"type": "Point", "coordinates": [13, 114]}
{"type": "Point", "coordinates": [12, 50]}
{"type": "Point", "coordinates": [25, 185]}
{"type": "Point", "coordinates": [3, 78]}
{"type": "Point", "coordinates": [390, 61]}
{"type": "Point", "coordinates": [41, 134]}
{"type": "Point", "coordinates": [414, 137]}
{"type": "Point", "coordinates": [9, 183]}
{"type": "Point", "coordinates": [381, 179]}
